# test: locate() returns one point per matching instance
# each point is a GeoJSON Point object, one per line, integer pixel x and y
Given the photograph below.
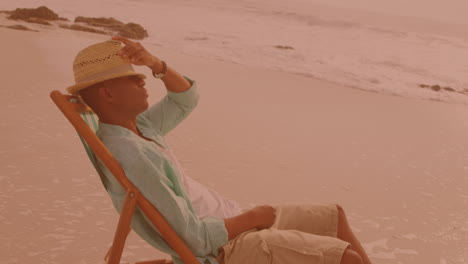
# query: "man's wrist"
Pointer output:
{"type": "Point", "coordinates": [157, 66]}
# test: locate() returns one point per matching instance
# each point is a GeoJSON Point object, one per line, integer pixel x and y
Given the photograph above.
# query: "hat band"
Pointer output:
{"type": "Point", "coordinates": [119, 69]}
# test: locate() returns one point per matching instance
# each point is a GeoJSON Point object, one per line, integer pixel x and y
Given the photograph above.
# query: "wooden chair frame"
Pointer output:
{"type": "Point", "coordinates": [72, 107]}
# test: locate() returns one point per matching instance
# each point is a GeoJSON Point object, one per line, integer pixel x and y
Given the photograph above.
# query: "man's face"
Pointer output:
{"type": "Point", "coordinates": [129, 94]}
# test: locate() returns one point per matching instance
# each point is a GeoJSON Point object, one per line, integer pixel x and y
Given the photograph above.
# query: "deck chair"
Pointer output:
{"type": "Point", "coordinates": [85, 123]}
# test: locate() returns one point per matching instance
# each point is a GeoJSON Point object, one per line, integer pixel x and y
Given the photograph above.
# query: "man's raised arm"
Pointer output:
{"type": "Point", "coordinates": [173, 81]}
{"type": "Point", "coordinates": [182, 95]}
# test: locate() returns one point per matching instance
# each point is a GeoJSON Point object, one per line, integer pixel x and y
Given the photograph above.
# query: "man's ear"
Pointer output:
{"type": "Point", "coordinates": [106, 93]}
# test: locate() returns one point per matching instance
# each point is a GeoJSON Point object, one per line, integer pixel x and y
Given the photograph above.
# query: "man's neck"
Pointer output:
{"type": "Point", "coordinates": [128, 123]}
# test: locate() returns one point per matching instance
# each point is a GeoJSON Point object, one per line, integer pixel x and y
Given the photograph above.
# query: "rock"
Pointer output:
{"type": "Point", "coordinates": [283, 47]}
{"type": "Point", "coordinates": [129, 30]}
{"type": "Point", "coordinates": [41, 12]}
{"type": "Point", "coordinates": [133, 31]}
{"type": "Point", "coordinates": [36, 21]}
{"type": "Point", "coordinates": [40, 15]}
{"type": "Point", "coordinates": [450, 89]}
{"type": "Point", "coordinates": [109, 26]}
{"type": "Point", "coordinates": [436, 87]}
{"type": "Point", "coordinates": [20, 27]}
{"type": "Point", "coordinates": [99, 21]}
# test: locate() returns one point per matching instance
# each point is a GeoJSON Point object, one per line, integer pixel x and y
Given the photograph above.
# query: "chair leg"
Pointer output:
{"type": "Point", "coordinates": [110, 248]}
{"type": "Point", "coordinates": [158, 261]}
{"type": "Point", "coordinates": [123, 228]}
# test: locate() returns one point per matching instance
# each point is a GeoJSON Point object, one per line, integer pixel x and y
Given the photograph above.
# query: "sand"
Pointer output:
{"type": "Point", "coordinates": [398, 166]}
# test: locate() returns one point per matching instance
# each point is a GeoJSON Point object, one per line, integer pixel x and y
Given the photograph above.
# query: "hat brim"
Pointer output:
{"type": "Point", "coordinates": [74, 89]}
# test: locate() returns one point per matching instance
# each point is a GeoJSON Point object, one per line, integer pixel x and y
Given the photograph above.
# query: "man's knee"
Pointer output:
{"type": "Point", "coordinates": [341, 213]}
{"type": "Point", "coordinates": [351, 257]}
{"type": "Point", "coordinates": [340, 209]}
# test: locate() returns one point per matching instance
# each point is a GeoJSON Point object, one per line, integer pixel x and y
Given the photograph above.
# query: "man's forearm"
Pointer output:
{"type": "Point", "coordinates": [259, 217]}
{"type": "Point", "coordinates": [240, 223]}
{"type": "Point", "coordinates": [173, 81]}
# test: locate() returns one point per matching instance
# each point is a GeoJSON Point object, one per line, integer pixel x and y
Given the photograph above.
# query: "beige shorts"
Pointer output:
{"type": "Point", "coordinates": [300, 234]}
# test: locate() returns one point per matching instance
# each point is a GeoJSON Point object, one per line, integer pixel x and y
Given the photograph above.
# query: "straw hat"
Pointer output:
{"type": "Point", "coordinates": [100, 62]}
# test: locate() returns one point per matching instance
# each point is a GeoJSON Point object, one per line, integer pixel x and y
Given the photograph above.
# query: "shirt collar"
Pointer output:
{"type": "Point", "coordinates": [142, 124]}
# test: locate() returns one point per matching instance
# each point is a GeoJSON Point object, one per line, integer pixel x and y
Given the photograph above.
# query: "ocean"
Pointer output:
{"type": "Point", "coordinates": [415, 55]}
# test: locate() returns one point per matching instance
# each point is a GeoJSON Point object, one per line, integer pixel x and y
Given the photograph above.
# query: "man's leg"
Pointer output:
{"type": "Point", "coordinates": [351, 257]}
{"type": "Point", "coordinates": [276, 246]}
{"type": "Point", "coordinates": [323, 220]}
{"type": "Point", "coordinates": [345, 233]}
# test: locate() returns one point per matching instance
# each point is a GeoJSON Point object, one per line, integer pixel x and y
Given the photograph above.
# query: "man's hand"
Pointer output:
{"type": "Point", "coordinates": [136, 53]}
{"type": "Point", "coordinates": [139, 56]}
{"type": "Point", "coordinates": [264, 216]}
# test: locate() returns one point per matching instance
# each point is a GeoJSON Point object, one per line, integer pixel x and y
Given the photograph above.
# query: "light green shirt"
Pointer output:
{"type": "Point", "coordinates": [151, 171]}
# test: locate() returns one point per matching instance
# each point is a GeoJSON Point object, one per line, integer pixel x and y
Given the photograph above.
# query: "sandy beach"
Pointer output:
{"type": "Point", "coordinates": [398, 166]}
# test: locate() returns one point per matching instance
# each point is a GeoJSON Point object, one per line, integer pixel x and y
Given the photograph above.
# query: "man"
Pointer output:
{"type": "Point", "coordinates": [214, 228]}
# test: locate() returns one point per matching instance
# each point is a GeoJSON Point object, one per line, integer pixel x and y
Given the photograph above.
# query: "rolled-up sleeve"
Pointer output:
{"type": "Point", "coordinates": [203, 236]}
{"type": "Point", "coordinates": [173, 108]}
